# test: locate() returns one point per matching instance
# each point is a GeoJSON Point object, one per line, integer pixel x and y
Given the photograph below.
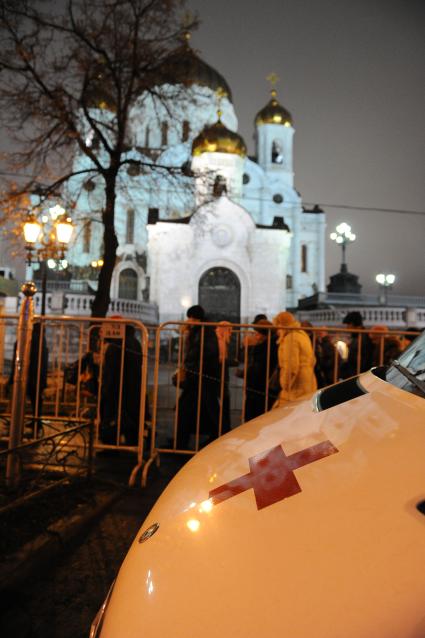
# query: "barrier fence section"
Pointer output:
{"type": "Point", "coordinates": [165, 389]}
{"type": "Point", "coordinates": [207, 378]}
{"type": "Point", "coordinates": [81, 369]}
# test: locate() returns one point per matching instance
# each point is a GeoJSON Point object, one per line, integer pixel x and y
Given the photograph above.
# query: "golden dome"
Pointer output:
{"type": "Point", "coordinates": [216, 138]}
{"type": "Point", "coordinates": [273, 113]}
{"type": "Point", "coordinates": [185, 67]}
{"type": "Point", "coordinates": [99, 92]}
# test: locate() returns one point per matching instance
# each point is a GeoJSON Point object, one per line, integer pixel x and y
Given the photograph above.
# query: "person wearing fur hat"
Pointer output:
{"type": "Point", "coordinates": [295, 358]}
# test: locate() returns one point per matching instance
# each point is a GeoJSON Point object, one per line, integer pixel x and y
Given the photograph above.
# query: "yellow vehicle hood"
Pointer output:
{"type": "Point", "coordinates": [241, 551]}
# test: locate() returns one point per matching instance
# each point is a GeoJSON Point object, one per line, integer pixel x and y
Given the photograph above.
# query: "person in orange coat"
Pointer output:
{"type": "Point", "coordinates": [296, 359]}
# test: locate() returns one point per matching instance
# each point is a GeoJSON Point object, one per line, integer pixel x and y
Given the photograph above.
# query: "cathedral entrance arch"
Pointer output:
{"type": "Point", "coordinates": [220, 294]}
{"type": "Point", "coordinates": [127, 284]}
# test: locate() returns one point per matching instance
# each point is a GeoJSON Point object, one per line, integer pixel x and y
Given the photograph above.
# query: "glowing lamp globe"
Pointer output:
{"type": "Point", "coordinates": [32, 229]}
{"type": "Point", "coordinates": [64, 230]}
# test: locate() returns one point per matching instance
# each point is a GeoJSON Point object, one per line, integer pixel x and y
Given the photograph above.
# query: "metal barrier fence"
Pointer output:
{"type": "Point", "coordinates": [194, 400]}
{"type": "Point", "coordinates": [80, 368]}
{"type": "Point", "coordinates": [165, 389]}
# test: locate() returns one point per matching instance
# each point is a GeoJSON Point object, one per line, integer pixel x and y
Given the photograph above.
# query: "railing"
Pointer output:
{"type": "Point", "coordinates": [82, 368]}
{"type": "Point", "coordinates": [64, 452]}
{"type": "Point", "coordinates": [66, 286]}
{"type": "Point", "coordinates": [393, 317]}
{"type": "Point", "coordinates": [79, 304]}
{"type": "Point", "coordinates": [121, 376]}
{"type": "Point", "coordinates": [186, 417]}
{"type": "Point", "coordinates": [379, 299]}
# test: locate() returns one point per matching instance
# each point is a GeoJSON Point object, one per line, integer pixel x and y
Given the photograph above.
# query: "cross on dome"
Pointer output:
{"type": "Point", "coordinates": [220, 93]}
{"type": "Point", "coordinates": [273, 78]}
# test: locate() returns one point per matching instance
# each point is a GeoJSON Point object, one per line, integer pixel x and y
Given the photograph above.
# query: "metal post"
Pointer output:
{"type": "Point", "coordinates": [43, 267]}
{"type": "Point", "coordinates": [22, 355]}
{"type": "Point", "coordinates": [344, 263]}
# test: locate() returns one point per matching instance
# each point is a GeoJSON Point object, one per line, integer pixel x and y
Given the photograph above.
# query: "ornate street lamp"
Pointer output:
{"type": "Point", "coordinates": [385, 281]}
{"type": "Point", "coordinates": [46, 242]}
{"type": "Point", "coordinates": [343, 236]}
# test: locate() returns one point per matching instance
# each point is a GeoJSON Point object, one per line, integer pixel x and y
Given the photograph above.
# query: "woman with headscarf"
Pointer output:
{"type": "Point", "coordinates": [296, 359]}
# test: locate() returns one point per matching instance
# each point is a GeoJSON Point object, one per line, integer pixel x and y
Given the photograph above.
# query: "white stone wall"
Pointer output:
{"type": "Point", "coordinates": [170, 253]}
{"type": "Point", "coordinates": [269, 249]}
{"type": "Point", "coordinates": [219, 234]}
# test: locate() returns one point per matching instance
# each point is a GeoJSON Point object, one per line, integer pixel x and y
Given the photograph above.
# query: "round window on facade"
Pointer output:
{"type": "Point", "coordinates": [246, 178]}
{"type": "Point", "coordinates": [133, 170]}
{"type": "Point", "coordinates": [89, 185]}
{"type": "Point", "coordinates": [278, 198]}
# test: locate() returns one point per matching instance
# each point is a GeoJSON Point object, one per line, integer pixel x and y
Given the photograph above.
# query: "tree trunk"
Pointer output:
{"type": "Point", "coordinates": [102, 298]}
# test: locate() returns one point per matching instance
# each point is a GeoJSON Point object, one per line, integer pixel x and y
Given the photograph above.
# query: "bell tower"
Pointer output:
{"type": "Point", "coordinates": [274, 137]}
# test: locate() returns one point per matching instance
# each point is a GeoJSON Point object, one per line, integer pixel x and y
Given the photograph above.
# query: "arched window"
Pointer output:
{"type": "Point", "coordinates": [127, 285]}
{"type": "Point", "coordinates": [220, 294]}
{"type": "Point", "coordinates": [304, 256]}
{"type": "Point", "coordinates": [277, 152]}
{"type": "Point", "coordinates": [129, 235]}
{"type": "Point", "coordinates": [164, 133]}
{"type": "Point", "coordinates": [86, 237]}
{"type": "Point", "coordinates": [147, 137]}
{"type": "Point", "coordinates": [185, 131]}
{"type": "Point", "coordinates": [220, 186]}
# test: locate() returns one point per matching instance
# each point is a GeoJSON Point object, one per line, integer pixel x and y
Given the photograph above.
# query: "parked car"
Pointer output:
{"type": "Point", "coordinates": [308, 521]}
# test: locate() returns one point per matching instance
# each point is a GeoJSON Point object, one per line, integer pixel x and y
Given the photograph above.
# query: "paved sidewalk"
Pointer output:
{"type": "Point", "coordinates": [56, 591]}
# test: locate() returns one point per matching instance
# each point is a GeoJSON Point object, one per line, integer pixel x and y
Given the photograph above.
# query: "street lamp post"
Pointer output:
{"type": "Point", "coordinates": [46, 242]}
{"type": "Point", "coordinates": [343, 236]}
{"type": "Point", "coordinates": [385, 281]}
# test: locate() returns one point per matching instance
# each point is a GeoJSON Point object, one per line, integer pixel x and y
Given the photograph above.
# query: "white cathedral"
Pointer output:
{"type": "Point", "coordinates": [228, 231]}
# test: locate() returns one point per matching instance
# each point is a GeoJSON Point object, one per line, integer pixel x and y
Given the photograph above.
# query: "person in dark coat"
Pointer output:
{"type": "Point", "coordinates": [131, 389]}
{"type": "Point", "coordinates": [37, 369]}
{"type": "Point", "coordinates": [325, 353]}
{"type": "Point", "coordinates": [327, 357]}
{"type": "Point", "coordinates": [85, 373]}
{"type": "Point", "coordinates": [350, 367]}
{"type": "Point", "coordinates": [262, 362]}
{"type": "Point", "coordinates": [192, 374]}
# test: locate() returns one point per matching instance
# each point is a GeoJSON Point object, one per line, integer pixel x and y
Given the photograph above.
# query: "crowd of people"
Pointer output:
{"type": "Point", "coordinates": [282, 360]}
{"type": "Point", "coordinates": [278, 361]}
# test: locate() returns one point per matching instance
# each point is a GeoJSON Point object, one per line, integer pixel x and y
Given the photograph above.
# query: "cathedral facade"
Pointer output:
{"type": "Point", "coordinates": [197, 220]}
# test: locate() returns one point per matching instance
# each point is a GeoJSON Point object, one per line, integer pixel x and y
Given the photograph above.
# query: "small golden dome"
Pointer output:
{"type": "Point", "coordinates": [273, 113]}
{"type": "Point", "coordinates": [216, 138]}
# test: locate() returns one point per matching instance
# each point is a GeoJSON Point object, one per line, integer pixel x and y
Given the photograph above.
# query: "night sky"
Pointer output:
{"type": "Point", "coordinates": [352, 76]}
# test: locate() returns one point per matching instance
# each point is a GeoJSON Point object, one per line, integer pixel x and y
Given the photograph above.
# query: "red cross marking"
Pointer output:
{"type": "Point", "coordinates": [272, 475]}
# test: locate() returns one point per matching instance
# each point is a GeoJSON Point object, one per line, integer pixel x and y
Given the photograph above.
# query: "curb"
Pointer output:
{"type": "Point", "coordinates": [32, 557]}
